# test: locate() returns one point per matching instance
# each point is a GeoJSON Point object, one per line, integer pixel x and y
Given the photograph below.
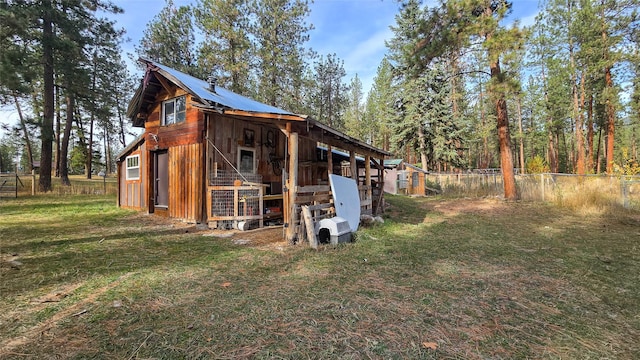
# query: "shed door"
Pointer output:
{"type": "Point", "coordinates": [161, 179]}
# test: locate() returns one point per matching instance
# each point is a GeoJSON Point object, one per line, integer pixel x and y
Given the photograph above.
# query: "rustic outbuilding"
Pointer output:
{"type": "Point", "coordinates": [211, 156]}
{"type": "Point", "coordinates": [404, 178]}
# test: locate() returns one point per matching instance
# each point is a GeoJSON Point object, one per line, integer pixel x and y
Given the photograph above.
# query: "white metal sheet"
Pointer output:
{"type": "Point", "coordinates": [346, 199]}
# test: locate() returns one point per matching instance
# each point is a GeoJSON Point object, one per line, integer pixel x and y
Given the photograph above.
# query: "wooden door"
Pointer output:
{"type": "Point", "coordinates": [161, 176]}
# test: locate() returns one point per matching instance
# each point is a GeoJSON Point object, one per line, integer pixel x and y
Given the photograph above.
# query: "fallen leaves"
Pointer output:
{"type": "Point", "coordinates": [430, 345]}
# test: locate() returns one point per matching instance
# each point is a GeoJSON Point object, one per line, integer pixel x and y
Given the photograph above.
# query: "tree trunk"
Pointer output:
{"type": "Point", "coordinates": [504, 137]}
{"type": "Point", "coordinates": [56, 153]}
{"type": "Point", "coordinates": [485, 157]}
{"type": "Point", "coordinates": [519, 108]}
{"type": "Point", "coordinates": [64, 148]}
{"type": "Point", "coordinates": [89, 159]}
{"type": "Point", "coordinates": [423, 146]}
{"type": "Point", "coordinates": [580, 160]}
{"type": "Point", "coordinates": [47, 118]}
{"type": "Point", "coordinates": [89, 163]}
{"type": "Point", "coordinates": [553, 149]}
{"type": "Point", "coordinates": [599, 152]}
{"type": "Point", "coordinates": [590, 134]}
{"type": "Point", "coordinates": [611, 120]}
{"type": "Point", "coordinates": [25, 131]}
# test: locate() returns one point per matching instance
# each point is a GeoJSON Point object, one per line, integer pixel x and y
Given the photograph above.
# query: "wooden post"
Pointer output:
{"type": "Point", "coordinates": [329, 160]}
{"type": "Point", "coordinates": [293, 182]}
{"type": "Point", "coordinates": [354, 166]}
{"type": "Point", "coordinates": [367, 177]}
{"type": "Point", "coordinates": [33, 182]}
{"type": "Point", "coordinates": [308, 222]}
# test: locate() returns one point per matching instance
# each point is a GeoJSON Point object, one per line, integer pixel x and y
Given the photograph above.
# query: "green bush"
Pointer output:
{"type": "Point", "coordinates": [537, 165]}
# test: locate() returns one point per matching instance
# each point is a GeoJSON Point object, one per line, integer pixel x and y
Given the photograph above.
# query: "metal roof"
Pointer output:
{"type": "Point", "coordinates": [392, 162]}
{"type": "Point", "coordinates": [223, 101]}
{"type": "Point", "coordinates": [221, 96]}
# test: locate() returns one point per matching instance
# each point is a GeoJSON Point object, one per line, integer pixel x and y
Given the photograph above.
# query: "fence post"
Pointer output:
{"type": "Point", "coordinates": [33, 182]}
{"type": "Point", "coordinates": [542, 186]}
{"type": "Point", "coordinates": [624, 191]}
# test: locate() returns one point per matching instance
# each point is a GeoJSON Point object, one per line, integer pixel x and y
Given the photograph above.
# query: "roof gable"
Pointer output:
{"type": "Point", "coordinates": [219, 98]}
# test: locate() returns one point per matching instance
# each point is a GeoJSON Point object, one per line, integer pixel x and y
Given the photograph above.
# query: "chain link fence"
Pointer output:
{"type": "Point", "coordinates": [565, 189]}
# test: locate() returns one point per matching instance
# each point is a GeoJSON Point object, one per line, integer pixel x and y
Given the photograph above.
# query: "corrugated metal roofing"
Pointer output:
{"type": "Point", "coordinates": [392, 162]}
{"type": "Point", "coordinates": [221, 96]}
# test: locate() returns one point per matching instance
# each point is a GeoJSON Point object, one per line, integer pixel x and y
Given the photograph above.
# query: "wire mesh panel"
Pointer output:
{"type": "Point", "coordinates": [222, 203]}
{"type": "Point", "coordinates": [234, 197]}
{"type": "Point", "coordinates": [231, 178]}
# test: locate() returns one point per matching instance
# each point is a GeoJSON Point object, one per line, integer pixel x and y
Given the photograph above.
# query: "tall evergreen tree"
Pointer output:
{"type": "Point", "coordinates": [169, 38]}
{"type": "Point", "coordinates": [280, 33]}
{"type": "Point", "coordinates": [380, 108]}
{"type": "Point", "coordinates": [329, 99]}
{"type": "Point", "coordinates": [226, 51]}
{"type": "Point", "coordinates": [52, 28]}
{"type": "Point", "coordinates": [354, 120]}
{"type": "Point", "coordinates": [480, 20]}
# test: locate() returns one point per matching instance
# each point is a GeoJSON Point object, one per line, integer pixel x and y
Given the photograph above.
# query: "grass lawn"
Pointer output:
{"type": "Point", "coordinates": [450, 279]}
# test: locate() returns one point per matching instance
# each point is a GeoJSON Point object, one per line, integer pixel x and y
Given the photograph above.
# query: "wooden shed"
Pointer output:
{"type": "Point", "coordinates": [404, 178]}
{"type": "Point", "coordinates": [208, 155]}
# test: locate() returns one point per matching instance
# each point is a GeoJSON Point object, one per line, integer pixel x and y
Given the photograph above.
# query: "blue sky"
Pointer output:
{"type": "Point", "coordinates": [355, 30]}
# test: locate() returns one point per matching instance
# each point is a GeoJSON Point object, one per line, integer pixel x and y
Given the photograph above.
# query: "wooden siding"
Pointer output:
{"type": "Point", "coordinates": [185, 182]}
{"type": "Point", "coordinates": [228, 133]}
{"type": "Point", "coordinates": [132, 193]}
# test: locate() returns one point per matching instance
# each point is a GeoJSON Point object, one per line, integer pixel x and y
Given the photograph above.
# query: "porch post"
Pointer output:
{"type": "Point", "coordinates": [354, 166]}
{"type": "Point", "coordinates": [380, 205]}
{"type": "Point", "coordinates": [367, 176]}
{"type": "Point", "coordinates": [292, 184]}
{"type": "Point", "coordinates": [329, 160]}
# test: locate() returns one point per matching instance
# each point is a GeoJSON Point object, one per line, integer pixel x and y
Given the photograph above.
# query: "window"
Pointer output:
{"type": "Point", "coordinates": [133, 167]}
{"type": "Point", "coordinates": [246, 160]}
{"type": "Point", "coordinates": [174, 111]}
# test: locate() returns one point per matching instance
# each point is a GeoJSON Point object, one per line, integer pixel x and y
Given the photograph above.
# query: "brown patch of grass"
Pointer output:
{"type": "Point", "coordinates": [480, 279]}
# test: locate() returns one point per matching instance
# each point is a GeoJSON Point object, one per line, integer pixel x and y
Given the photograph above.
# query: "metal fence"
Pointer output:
{"type": "Point", "coordinates": [9, 185]}
{"type": "Point", "coordinates": [28, 185]}
{"type": "Point", "coordinates": [559, 188]}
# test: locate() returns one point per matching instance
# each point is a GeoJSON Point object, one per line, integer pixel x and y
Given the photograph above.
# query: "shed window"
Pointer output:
{"type": "Point", "coordinates": [133, 167]}
{"type": "Point", "coordinates": [246, 160]}
{"type": "Point", "coordinates": [174, 110]}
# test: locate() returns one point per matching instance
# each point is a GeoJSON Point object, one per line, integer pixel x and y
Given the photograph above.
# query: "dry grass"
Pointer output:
{"type": "Point", "coordinates": [473, 279]}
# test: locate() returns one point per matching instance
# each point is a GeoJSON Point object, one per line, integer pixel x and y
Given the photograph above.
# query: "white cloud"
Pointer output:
{"type": "Point", "coordinates": [368, 51]}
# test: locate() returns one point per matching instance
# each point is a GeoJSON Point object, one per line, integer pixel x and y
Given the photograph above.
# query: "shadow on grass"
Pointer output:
{"type": "Point", "coordinates": [406, 209]}
{"type": "Point", "coordinates": [92, 238]}
{"type": "Point", "coordinates": [502, 281]}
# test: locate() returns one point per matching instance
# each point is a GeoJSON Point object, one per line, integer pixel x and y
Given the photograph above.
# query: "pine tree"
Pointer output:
{"type": "Point", "coordinates": [169, 39]}
{"type": "Point", "coordinates": [280, 33]}
{"type": "Point", "coordinates": [480, 20]}
{"type": "Point", "coordinates": [50, 28]}
{"type": "Point", "coordinates": [226, 50]}
{"type": "Point", "coordinates": [380, 109]}
{"type": "Point", "coordinates": [354, 120]}
{"type": "Point", "coordinates": [329, 99]}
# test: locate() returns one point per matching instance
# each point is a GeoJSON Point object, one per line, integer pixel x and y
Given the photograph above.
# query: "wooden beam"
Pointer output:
{"type": "Point", "coordinates": [329, 160]}
{"type": "Point", "coordinates": [264, 115]}
{"type": "Point", "coordinates": [308, 222]}
{"type": "Point", "coordinates": [292, 183]}
{"type": "Point", "coordinates": [165, 85]}
{"type": "Point", "coordinates": [322, 136]}
{"type": "Point", "coordinates": [367, 175]}
{"type": "Point", "coordinates": [354, 166]}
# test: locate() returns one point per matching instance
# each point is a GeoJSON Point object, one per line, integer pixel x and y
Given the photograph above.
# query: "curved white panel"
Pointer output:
{"type": "Point", "coordinates": [346, 199]}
